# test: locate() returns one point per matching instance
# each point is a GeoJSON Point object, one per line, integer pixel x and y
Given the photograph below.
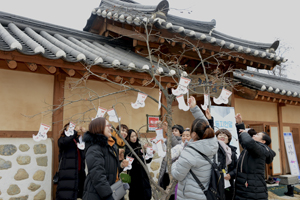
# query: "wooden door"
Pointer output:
{"type": "Point", "coordinates": [276, 166]}
{"type": "Point", "coordinates": [296, 138]}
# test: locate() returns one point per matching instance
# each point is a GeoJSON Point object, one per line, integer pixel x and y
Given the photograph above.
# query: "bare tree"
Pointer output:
{"type": "Point", "coordinates": [218, 77]}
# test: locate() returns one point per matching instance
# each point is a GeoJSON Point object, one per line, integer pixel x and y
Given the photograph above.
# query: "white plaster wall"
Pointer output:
{"type": "Point", "coordinates": [8, 174]}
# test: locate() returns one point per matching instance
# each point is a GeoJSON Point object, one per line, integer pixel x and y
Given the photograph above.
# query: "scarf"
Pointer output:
{"type": "Point", "coordinates": [111, 142]}
{"type": "Point", "coordinates": [227, 150]}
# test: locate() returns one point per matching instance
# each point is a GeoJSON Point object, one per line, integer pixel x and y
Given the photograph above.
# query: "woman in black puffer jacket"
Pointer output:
{"type": "Point", "coordinates": [71, 167]}
{"type": "Point", "coordinates": [250, 182]}
{"type": "Point", "coordinates": [102, 159]}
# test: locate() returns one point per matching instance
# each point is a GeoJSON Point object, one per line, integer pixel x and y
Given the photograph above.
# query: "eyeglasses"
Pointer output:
{"type": "Point", "coordinates": [109, 125]}
{"type": "Point", "coordinates": [222, 135]}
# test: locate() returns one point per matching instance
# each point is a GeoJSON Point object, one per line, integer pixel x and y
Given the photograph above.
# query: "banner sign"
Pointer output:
{"type": "Point", "coordinates": [290, 151]}
{"type": "Point", "coordinates": [224, 118]}
{"type": "Point", "coordinates": [152, 121]}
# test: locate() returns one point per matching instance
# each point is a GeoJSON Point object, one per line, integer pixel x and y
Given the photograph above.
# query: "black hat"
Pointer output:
{"type": "Point", "coordinates": [179, 127]}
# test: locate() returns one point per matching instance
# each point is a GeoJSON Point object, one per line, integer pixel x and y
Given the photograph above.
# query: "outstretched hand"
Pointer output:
{"type": "Point", "coordinates": [238, 118]}
{"type": "Point", "coordinates": [192, 102]}
{"type": "Point", "coordinates": [207, 113]}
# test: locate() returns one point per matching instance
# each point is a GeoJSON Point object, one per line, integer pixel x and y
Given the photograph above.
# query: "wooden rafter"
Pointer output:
{"type": "Point", "coordinates": [11, 64]}
{"type": "Point", "coordinates": [59, 63]}
{"type": "Point", "coordinates": [50, 69]}
{"type": "Point", "coordinates": [31, 66]}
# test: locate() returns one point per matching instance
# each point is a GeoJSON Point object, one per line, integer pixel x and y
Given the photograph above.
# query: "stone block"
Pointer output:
{"type": "Point", "coordinates": [24, 147]}
{"type": "Point", "coordinates": [40, 196]}
{"type": "Point", "coordinates": [7, 149]}
{"type": "Point", "coordinates": [42, 161]}
{"type": "Point", "coordinates": [288, 179]}
{"type": "Point", "coordinates": [152, 174]}
{"type": "Point", "coordinates": [4, 164]}
{"type": "Point", "coordinates": [155, 166]}
{"type": "Point", "coordinates": [19, 198]}
{"type": "Point", "coordinates": [23, 160]}
{"type": "Point", "coordinates": [21, 175]}
{"type": "Point", "coordinates": [33, 187]}
{"type": "Point", "coordinates": [13, 189]}
{"type": "Point", "coordinates": [39, 175]}
{"type": "Point", "coordinates": [40, 149]}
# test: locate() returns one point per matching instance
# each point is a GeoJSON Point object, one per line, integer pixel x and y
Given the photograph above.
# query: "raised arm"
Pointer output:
{"type": "Point", "coordinates": [196, 112]}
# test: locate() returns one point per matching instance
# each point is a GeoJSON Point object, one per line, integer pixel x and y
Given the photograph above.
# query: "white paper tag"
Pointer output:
{"type": "Point", "coordinates": [112, 115]}
{"type": "Point", "coordinates": [204, 107]}
{"type": "Point", "coordinates": [101, 112]}
{"type": "Point", "coordinates": [70, 130]}
{"type": "Point", "coordinates": [130, 160]}
{"type": "Point", "coordinates": [160, 150]}
{"type": "Point", "coordinates": [81, 144]}
{"type": "Point", "coordinates": [42, 134]}
{"type": "Point", "coordinates": [226, 182]}
{"type": "Point", "coordinates": [159, 134]}
{"type": "Point", "coordinates": [159, 100]}
{"type": "Point", "coordinates": [140, 101]}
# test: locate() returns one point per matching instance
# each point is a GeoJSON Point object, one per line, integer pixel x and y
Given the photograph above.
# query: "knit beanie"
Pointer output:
{"type": "Point", "coordinates": [179, 127]}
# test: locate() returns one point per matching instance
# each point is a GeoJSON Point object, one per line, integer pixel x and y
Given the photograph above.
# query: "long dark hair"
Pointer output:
{"type": "Point", "coordinates": [202, 129]}
{"type": "Point", "coordinates": [97, 126]}
{"type": "Point", "coordinates": [65, 128]}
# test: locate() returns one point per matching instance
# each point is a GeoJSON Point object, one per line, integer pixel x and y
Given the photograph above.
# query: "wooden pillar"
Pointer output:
{"type": "Point", "coordinates": [281, 140]}
{"type": "Point", "coordinates": [57, 117]}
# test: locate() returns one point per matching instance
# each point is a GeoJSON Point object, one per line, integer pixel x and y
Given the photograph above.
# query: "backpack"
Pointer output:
{"type": "Point", "coordinates": [215, 189]}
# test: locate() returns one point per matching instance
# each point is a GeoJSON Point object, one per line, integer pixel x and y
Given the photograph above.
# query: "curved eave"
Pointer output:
{"type": "Point", "coordinates": [54, 42]}
{"type": "Point", "coordinates": [269, 83]}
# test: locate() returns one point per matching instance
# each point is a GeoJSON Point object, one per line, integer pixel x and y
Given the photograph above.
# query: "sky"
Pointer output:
{"type": "Point", "coordinates": [255, 20]}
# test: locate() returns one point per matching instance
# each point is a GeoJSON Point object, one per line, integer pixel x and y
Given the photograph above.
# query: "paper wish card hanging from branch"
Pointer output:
{"type": "Point", "coordinates": [101, 112]}
{"type": "Point", "coordinates": [223, 98]}
{"type": "Point", "coordinates": [181, 103]}
{"type": "Point", "coordinates": [204, 107]}
{"type": "Point", "coordinates": [42, 134]}
{"type": "Point", "coordinates": [182, 86]}
{"type": "Point", "coordinates": [140, 101]}
{"type": "Point", "coordinates": [113, 116]}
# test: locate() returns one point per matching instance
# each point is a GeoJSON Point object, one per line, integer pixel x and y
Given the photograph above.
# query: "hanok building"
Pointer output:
{"type": "Point", "coordinates": [45, 77]}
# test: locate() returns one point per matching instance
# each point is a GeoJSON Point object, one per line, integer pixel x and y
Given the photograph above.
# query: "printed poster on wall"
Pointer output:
{"type": "Point", "coordinates": [152, 121]}
{"type": "Point", "coordinates": [290, 151]}
{"type": "Point", "coordinates": [224, 118]}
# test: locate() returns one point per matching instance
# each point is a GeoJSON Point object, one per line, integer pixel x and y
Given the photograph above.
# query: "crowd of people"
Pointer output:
{"type": "Point", "coordinates": [90, 173]}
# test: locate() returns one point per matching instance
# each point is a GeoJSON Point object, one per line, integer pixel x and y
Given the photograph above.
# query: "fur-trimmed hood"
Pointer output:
{"type": "Point", "coordinates": [91, 139]}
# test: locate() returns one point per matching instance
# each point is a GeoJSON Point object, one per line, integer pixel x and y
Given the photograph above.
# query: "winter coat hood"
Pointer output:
{"type": "Point", "coordinates": [209, 147]}
{"type": "Point", "coordinates": [95, 139]}
{"type": "Point", "coordinates": [270, 155]}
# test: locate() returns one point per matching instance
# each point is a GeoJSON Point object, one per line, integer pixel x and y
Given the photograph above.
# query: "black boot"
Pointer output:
{"type": "Point", "coordinates": [290, 191]}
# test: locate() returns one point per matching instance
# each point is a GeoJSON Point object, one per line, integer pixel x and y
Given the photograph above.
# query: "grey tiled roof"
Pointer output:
{"type": "Point", "coordinates": [32, 37]}
{"type": "Point", "coordinates": [131, 12]}
{"type": "Point", "coordinates": [269, 83]}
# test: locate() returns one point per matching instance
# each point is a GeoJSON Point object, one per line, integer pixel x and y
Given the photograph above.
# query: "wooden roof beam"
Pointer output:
{"type": "Point", "coordinates": [11, 64]}
{"type": "Point", "coordinates": [70, 72]}
{"type": "Point", "coordinates": [50, 69]}
{"type": "Point", "coordinates": [31, 66]}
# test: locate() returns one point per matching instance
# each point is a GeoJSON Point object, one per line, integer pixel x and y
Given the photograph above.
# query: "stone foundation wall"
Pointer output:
{"type": "Point", "coordinates": [25, 169]}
